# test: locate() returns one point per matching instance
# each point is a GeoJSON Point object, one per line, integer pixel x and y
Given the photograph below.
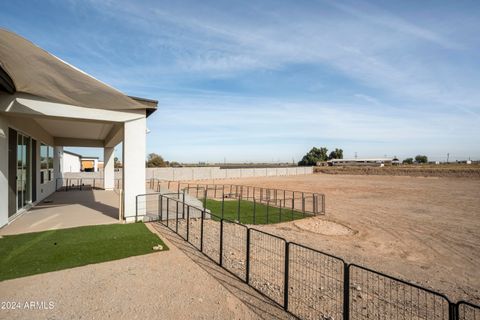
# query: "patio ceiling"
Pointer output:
{"type": "Point", "coordinates": [94, 130]}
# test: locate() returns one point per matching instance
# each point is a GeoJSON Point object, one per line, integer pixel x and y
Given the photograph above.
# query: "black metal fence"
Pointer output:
{"type": "Point", "coordinates": [308, 283]}
{"type": "Point", "coordinates": [308, 203]}
{"type": "Point", "coordinates": [68, 184]}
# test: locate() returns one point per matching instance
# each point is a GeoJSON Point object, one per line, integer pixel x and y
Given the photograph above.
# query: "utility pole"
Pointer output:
{"type": "Point", "coordinates": [448, 157]}
{"type": "Point", "coordinates": [355, 154]}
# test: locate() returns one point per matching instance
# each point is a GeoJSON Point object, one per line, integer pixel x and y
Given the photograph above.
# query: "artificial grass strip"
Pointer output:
{"type": "Point", "coordinates": [33, 253]}
{"type": "Point", "coordinates": [261, 214]}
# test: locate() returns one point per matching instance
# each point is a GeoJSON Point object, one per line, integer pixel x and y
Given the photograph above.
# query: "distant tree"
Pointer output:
{"type": "Point", "coordinates": [336, 154]}
{"type": "Point", "coordinates": [408, 161]}
{"type": "Point", "coordinates": [421, 159]}
{"type": "Point", "coordinates": [313, 156]}
{"type": "Point", "coordinates": [116, 163]}
{"type": "Point", "coordinates": [155, 160]}
{"type": "Point", "coordinates": [175, 164]}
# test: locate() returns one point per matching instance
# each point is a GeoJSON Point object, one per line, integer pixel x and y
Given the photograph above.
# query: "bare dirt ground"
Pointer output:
{"type": "Point", "coordinates": [163, 285]}
{"type": "Point", "coordinates": [424, 230]}
{"type": "Point", "coordinates": [452, 170]}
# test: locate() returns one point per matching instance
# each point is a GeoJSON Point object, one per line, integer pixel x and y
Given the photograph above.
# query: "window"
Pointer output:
{"type": "Point", "coordinates": [50, 163]}
{"type": "Point", "coordinates": [46, 163]}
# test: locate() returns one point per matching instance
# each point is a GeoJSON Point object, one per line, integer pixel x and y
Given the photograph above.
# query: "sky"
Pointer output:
{"type": "Point", "coordinates": [267, 80]}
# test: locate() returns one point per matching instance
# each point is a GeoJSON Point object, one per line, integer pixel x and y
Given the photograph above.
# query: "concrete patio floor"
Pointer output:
{"type": "Point", "coordinates": [67, 209]}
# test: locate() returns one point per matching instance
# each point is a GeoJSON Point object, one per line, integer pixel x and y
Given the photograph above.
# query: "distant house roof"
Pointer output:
{"type": "Point", "coordinates": [27, 68]}
{"type": "Point", "coordinates": [72, 153]}
{"type": "Point", "coordinates": [361, 160]}
{"type": "Point", "coordinates": [79, 155]}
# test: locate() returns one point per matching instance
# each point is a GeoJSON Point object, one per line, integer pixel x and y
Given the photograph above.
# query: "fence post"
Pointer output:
{"type": "Point", "coordinates": [247, 266]}
{"type": "Point", "coordinates": [285, 281]}
{"type": "Point", "coordinates": [293, 205]}
{"type": "Point", "coordinates": [254, 210]}
{"type": "Point", "coordinates": [205, 198]}
{"type": "Point", "coordinates": [238, 211]}
{"type": "Point", "coordinates": [188, 222]}
{"type": "Point", "coordinates": [293, 201]}
{"type": "Point", "coordinates": [280, 211]}
{"type": "Point", "coordinates": [168, 210]}
{"type": "Point", "coordinates": [346, 291]}
{"type": "Point", "coordinates": [303, 205]}
{"type": "Point", "coordinates": [268, 205]}
{"type": "Point", "coordinates": [136, 208]}
{"type": "Point", "coordinates": [453, 311]}
{"type": "Point", "coordinates": [183, 205]}
{"type": "Point", "coordinates": [201, 230]}
{"type": "Point", "coordinates": [176, 216]}
{"type": "Point", "coordinates": [221, 243]}
{"type": "Point", "coordinates": [223, 202]}
{"type": "Point", "coordinates": [160, 205]}
{"type": "Point", "coordinates": [323, 203]}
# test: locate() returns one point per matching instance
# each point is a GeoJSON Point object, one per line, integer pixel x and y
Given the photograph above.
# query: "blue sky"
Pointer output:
{"type": "Point", "coordinates": [267, 80]}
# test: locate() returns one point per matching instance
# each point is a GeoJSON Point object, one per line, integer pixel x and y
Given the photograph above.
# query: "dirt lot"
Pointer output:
{"type": "Point", "coordinates": [424, 170]}
{"type": "Point", "coordinates": [425, 230]}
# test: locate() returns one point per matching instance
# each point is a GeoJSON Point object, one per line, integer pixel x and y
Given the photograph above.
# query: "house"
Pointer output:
{"type": "Point", "coordinates": [71, 162]}
{"type": "Point", "coordinates": [74, 162]}
{"type": "Point", "coordinates": [89, 164]}
{"type": "Point", "coordinates": [47, 104]}
{"type": "Point", "coordinates": [373, 162]}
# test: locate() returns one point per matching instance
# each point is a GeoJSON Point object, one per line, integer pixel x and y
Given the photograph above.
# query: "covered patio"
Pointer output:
{"type": "Point", "coordinates": [46, 105]}
{"type": "Point", "coordinates": [67, 210]}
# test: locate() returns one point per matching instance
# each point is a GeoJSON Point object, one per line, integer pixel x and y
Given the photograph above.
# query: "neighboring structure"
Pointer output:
{"type": "Point", "coordinates": [89, 164]}
{"type": "Point", "coordinates": [74, 162]}
{"type": "Point", "coordinates": [46, 104]}
{"type": "Point", "coordinates": [375, 162]}
{"type": "Point", "coordinates": [71, 162]}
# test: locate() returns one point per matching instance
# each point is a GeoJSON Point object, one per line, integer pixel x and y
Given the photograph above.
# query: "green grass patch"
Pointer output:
{"type": "Point", "coordinates": [262, 214]}
{"type": "Point", "coordinates": [32, 253]}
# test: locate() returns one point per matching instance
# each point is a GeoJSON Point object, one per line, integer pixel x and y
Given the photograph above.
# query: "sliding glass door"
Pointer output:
{"type": "Point", "coordinates": [24, 171]}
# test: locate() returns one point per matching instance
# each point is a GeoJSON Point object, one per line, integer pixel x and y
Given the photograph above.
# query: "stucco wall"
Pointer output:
{"type": "Point", "coordinates": [204, 173]}
{"type": "Point", "coordinates": [30, 128]}
{"type": "Point", "coordinates": [3, 171]}
{"type": "Point", "coordinates": [71, 163]}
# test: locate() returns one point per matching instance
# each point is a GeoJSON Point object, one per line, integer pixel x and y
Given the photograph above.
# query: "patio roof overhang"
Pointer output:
{"type": "Point", "coordinates": [26, 68]}
{"type": "Point", "coordinates": [69, 125]}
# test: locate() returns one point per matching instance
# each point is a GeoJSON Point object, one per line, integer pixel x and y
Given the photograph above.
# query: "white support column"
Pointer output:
{"type": "Point", "coordinates": [3, 171]}
{"type": "Point", "coordinates": [108, 168]}
{"type": "Point", "coordinates": [134, 148]}
{"type": "Point", "coordinates": [58, 162]}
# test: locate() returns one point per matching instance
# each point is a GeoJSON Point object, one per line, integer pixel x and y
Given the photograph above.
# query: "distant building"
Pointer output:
{"type": "Point", "coordinates": [89, 164]}
{"type": "Point", "coordinates": [71, 162]}
{"type": "Point", "coordinates": [375, 162]}
{"type": "Point", "coordinates": [74, 162]}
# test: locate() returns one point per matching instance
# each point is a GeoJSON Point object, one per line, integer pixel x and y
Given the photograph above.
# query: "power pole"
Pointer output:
{"type": "Point", "coordinates": [448, 157]}
{"type": "Point", "coordinates": [355, 154]}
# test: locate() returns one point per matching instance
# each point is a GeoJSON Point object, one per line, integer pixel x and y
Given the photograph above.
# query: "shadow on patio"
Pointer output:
{"type": "Point", "coordinates": [67, 210]}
